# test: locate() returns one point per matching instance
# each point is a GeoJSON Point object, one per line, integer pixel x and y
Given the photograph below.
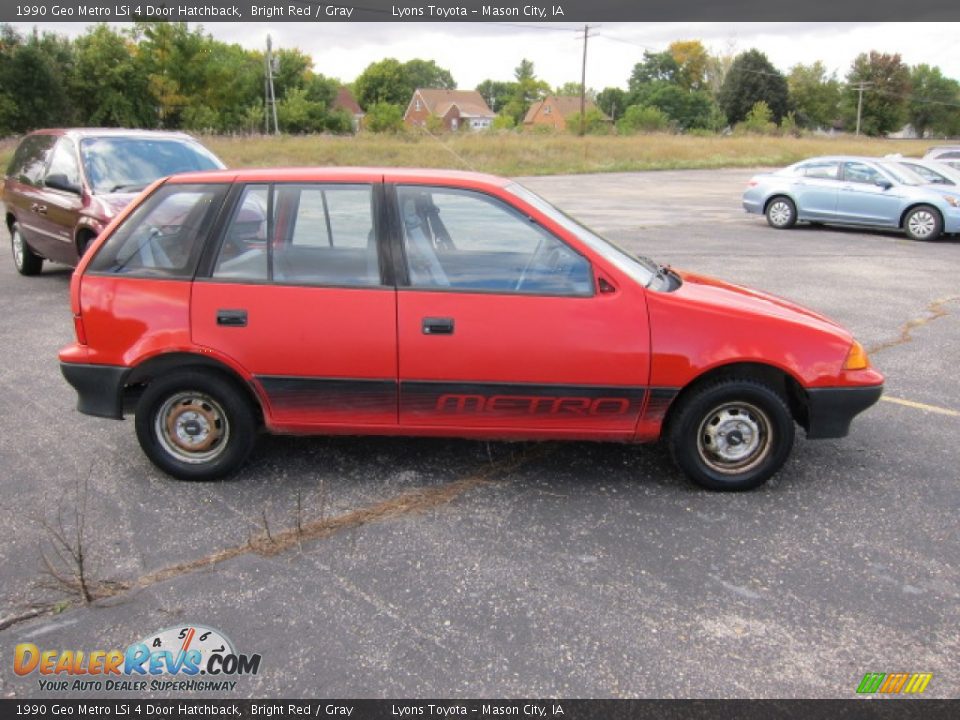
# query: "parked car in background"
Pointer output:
{"type": "Point", "coordinates": [433, 303]}
{"type": "Point", "coordinates": [860, 191]}
{"type": "Point", "coordinates": [949, 154]}
{"type": "Point", "coordinates": [63, 187]}
{"type": "Point", "coordinates": [933, 171]}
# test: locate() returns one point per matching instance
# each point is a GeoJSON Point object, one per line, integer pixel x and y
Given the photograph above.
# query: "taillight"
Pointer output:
{"type": "Point", "coordinates": [752, 183]}
{"type": "Point", "coordinates": [78, 328]}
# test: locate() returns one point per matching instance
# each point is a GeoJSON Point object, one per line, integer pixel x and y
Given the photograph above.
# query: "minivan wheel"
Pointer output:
{"type": "Point", "coordinates": [195, 425]}
{"type": "Point", "coordinates": [923, 223]}
{"type": "Point", "coordinates": [26, 261]}
{"type": "Point", "coordinates": [733, 434]}
{"type": "Point", "coordinates": [781, 213]}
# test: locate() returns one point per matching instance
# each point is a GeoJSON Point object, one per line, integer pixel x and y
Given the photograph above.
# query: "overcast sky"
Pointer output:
{"type": "Point", "coordinates": [476, 51]}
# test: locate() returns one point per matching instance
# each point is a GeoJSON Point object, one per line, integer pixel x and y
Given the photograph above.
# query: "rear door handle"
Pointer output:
{"type": "Point", "coordinates": [437, 326]}
{"type": "Point", "coordinates": [232, 318]}
{"type": "Point", "coordinates": [42, 209]}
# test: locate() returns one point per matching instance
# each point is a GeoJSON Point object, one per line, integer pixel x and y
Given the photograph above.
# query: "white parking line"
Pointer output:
{"type": "Point", "coordinates": [921, 406]}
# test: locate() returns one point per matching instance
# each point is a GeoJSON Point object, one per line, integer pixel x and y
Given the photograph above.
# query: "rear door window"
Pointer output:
{"type": "Point", "coordinates": [164, 236]}
{"type": "Point", "coordinates": [30, 160]}
{"type": "Point", "coordinates": [303, 234]}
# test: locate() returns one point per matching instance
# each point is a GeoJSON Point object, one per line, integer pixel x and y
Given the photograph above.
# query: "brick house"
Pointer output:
{"type": "Point", "coordinates": [554, 110]}
{"type": "Point", "coordinates": [346, 101]}
{"type": "Point", "coordinates": [457, 109]}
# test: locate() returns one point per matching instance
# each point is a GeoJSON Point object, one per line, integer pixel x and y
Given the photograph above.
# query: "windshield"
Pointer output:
{"type": "Point", "coordinates": [129, 164]}
{"type": "Point", "coordinates": [902, 175]}
{"type": "Point", "coordinates": [643, 270]}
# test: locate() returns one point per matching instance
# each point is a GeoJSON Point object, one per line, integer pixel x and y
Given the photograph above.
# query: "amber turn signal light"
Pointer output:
{"type": "Point", "coordinates": [857, 358]}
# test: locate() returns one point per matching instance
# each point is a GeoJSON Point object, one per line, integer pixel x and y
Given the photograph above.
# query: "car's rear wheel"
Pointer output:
{"type": "Point", "coordinates": [781, 213]}
{"type": "Point", "coordinates": [923, 223]}
{"type": "Point", "coordinates": [733, 434]}
{"type": "Point", "coordinates": [195, 425]}
{"type": "Point", "coordinates": [25, 260]}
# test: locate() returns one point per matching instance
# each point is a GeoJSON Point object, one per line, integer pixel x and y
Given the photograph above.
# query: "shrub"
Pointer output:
{"type": "Point", "coordinates": [640, 118]}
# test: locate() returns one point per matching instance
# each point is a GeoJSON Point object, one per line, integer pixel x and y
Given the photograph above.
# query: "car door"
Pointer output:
{"type": "Point", "coordinates": [295, 296]}
{"type": "Point", "coordinates": [862, 200]}
{"type": "Point", "coordinates": [61, 207]}
{"type": "Point", "coordinates": [24, 192]}
{"type": "Point", "coordinates": [816, 189]}
{"type": "Point", "coordinates": [501, 326]}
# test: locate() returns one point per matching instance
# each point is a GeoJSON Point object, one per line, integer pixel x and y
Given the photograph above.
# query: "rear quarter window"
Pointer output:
{"type": "Point", "coordinates": [164, 236]}
{"type": "Point", "coordinates": [30, 159]}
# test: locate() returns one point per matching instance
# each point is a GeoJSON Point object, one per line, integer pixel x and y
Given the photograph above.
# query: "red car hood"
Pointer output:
{"type": "Point", "coordinates": [708, 291]}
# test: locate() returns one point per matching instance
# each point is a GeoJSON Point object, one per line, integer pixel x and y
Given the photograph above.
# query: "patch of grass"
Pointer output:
{"type": "Point", "coordinates": [528, 154]}
{"type": "Point", "coordinates": [534, 154]}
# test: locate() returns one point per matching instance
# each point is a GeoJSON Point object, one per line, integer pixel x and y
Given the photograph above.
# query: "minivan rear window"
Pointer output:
{"type": "Point", "coordinates": [164, 236]}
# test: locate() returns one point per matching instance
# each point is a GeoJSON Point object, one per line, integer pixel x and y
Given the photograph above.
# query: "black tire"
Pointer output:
{"type": "Point", "coordinates": [923, 223]}
{"type": "Point", "coordinates": [25, 260]}
{"type": "Point", "coordinates": [706, 423]}
{"type": "Point", "coordinates": [83, 243]}
{"type": "Point", "coordinates": [195, 425]}
{"type": "Point", "coordinates": [781, 213]}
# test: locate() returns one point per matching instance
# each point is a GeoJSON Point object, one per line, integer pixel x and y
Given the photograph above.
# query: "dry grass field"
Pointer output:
{"type": "Point", "coordinates": [535, 154]}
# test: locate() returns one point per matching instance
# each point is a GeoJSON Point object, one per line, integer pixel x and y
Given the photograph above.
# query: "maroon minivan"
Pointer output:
{"type": "Point", "coordinates": [63, 187]}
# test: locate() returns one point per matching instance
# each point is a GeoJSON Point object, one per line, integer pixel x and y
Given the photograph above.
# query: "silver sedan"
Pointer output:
{"type": "Point", "coordinates": [847, 190]}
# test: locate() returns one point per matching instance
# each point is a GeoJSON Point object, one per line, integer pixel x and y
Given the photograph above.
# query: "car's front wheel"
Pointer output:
{"type": "Point", "coordinates": [25, 260]}
{"type": "Point", "coordinates": [733, 434]}
{"type": "Point", "coordinates": [923, 223]}
{"type": "Point", "coordinates": [781, 213]}
{"type": "Point", "coordinates": [195, 425]}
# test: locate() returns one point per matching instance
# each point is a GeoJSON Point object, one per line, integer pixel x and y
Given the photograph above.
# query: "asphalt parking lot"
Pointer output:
{"type": "Point", "coordinates": [437, 568]}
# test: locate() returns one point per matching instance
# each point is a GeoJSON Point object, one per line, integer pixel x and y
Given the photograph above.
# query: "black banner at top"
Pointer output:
{"type": "Point", "coordinates": [533, 11]}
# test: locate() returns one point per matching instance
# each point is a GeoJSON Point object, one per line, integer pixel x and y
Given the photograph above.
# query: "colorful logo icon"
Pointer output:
{"type": "Point", "coordinates": [894, 683]}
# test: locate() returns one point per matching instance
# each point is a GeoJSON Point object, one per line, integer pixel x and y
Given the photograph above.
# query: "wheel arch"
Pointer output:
{"type": "Point", "coordinates": [776, 195]}
{"type": "Point", "coordinates": [143, 374]}
{"type": "Point", "coordinates": [10, 219]}
{"type": "Point", "coordinates": [780, 380]}
{"type": "Point", "coordinates": [913, 206]}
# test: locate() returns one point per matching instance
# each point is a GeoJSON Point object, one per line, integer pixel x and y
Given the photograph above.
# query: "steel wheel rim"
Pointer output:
{"type": "Point", "coordinates": [922, 223]}
{"type": "Point", "coordinates": [780, 213]}
{"type": "Point", "coordinates": [17, 243]}
{"type": "Point", "coordinates": [734, 437]}
{"type": "Point", "coordinates": [192, 427]}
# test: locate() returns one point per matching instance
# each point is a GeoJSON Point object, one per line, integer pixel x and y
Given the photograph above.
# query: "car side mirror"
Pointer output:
{"type": "Point", "coordinates": [884, 183]}
{"type": "Point", "coordinates": [59, 181]}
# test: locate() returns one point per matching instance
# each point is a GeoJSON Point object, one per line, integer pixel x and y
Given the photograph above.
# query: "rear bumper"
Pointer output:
{"type": "Point", "coordinates": [99, 388]}
{"type": "Point", "coordinates": [830, 410]}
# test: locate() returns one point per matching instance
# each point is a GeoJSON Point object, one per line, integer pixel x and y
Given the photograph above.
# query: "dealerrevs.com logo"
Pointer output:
{"type": "Point", "coordinates": [894, 683]}
{"type": "Point", "coordinates": [193, 657]}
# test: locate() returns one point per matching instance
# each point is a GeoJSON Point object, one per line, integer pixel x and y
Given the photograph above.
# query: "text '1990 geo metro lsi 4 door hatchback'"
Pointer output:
{"type": "Point", "coordinates": [433, 303]}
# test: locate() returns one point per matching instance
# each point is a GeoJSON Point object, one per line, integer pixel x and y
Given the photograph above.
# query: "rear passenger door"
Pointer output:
{"type": "Point", "coordinates": [296, 296]}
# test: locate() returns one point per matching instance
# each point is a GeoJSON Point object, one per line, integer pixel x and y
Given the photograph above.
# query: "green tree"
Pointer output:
{"type": "Point", "coordinates": [752, 78]}
{"type": "Point", "coordinates": [527, 90]}
{"type": "Point", "coordinates": [496, 93]}
{"type": "Point", "coordinates": [390, 81]}
{"type": "Point", "coordinates": [688, 110]}
{"type": "Point", "coordinates": [885, 100]}
{"type": "Point", "coordinates": [33, 80]}
{"type": "Point", "coordinates": [639, 118]}
{"type": "Point", "coordinates": [106, 87]}
{"type": "Point", "coordinates": [759, 120]}
{"type": "Point", "coordinates": [384, 117]}
{"type": "Point", "coordinates": [594, 122]}
{"type": "Point", "coordinates": [934, 101]}
{"type": "Point", "coordinates": [655, 67]}
{"type": "Point", "coordinates": [613, 101]}
{"type": "Point", "coordinates": [815, 95]}
{"type": "Point", "coordinates": [426, 74]}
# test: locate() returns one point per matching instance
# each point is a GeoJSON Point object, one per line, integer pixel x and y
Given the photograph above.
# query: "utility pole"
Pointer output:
{"type": "Point", "coordinates": [860, 89]}
{"type": "Point", "coordinates": [583, 82]}
{"type": "Point", "coordinates": [270, 100]}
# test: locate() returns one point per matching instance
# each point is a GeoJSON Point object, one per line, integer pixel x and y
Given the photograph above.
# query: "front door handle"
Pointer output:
{"type": "Point", "coordinates": [232, 318]}
{"type": "Point", "coordinates": [37, 208]}
{"type": "Point", "coordinates": [437, 326]}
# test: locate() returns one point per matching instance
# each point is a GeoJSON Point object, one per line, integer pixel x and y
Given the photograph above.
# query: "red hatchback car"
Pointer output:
{"type": "Point", "coordinates": [63, 187]}
{"type": "Point", "coordinates": [440, 303]}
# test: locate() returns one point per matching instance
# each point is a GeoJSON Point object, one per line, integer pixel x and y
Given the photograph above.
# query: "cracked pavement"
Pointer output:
{"type": "Point", "coordinates": [568, 569]}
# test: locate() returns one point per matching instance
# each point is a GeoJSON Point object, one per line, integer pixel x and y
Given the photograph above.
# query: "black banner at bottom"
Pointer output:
{"type": "Point", "coordinates": [854, 709]}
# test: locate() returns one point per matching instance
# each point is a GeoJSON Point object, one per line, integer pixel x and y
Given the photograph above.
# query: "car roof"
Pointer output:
{"type": "Point", "coordinates": [420, 176]}
{"type": "Point", "coordinates": [113, 132]}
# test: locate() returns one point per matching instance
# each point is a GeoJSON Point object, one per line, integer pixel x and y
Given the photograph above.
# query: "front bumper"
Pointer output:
{"type": "Point", "coordinates": [831, 410]}
{"type": "Point", "coordinates": [99, 388]}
